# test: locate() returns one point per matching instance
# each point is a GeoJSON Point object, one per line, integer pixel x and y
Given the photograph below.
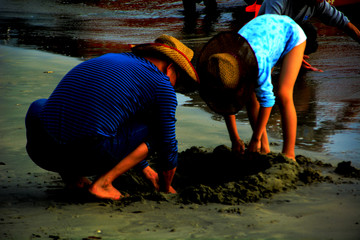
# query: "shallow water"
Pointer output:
{"type": "Point", "coordinates": [328, 103]}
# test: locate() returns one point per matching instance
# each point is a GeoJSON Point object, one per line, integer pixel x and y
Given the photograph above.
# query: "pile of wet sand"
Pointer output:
{"type": "Point", "coordinates": [218, 176]}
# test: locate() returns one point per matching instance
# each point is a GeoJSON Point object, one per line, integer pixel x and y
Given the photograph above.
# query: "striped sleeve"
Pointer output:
{"type": "Point", "coordinates": [166, 107]}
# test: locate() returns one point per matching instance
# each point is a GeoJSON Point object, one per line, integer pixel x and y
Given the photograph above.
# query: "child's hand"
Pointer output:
{"type": "Point", "coordinates": [238, 146]}
{"type": "Point", "coordinates": [152, 176]}
{"type": "Point", "coordinates": [254, 145]}
{"type": "Point", "coordinates": [172, 190]}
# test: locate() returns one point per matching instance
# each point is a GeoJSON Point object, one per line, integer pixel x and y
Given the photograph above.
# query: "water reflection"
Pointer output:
{"type": "Point", "coordinates": [327, 103]}
{"type": "Point", "coordinates": [83, 28]}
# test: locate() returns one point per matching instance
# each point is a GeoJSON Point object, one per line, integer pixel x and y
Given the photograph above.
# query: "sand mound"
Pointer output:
{"type": "Point", "coordinates": [217, 176]}
{"type": "Point", "coordinates": [221, 177]}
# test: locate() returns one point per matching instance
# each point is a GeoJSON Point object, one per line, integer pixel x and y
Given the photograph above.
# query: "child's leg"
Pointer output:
{"type": "Point", "coordinates": [288, 74]}
{"type": "Point", "coordinates": [103, 187]}
{"type": "Point", "coordinates": [127, 149]}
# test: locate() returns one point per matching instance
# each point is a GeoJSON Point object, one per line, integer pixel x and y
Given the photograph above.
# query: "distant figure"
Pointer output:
{"type": "Point", "coordinates": [235, 70]}
{"type": "Point", "coordinates": [190, 5]}
{"type": "Point", "coordinates": [108, 114]}
{"type": "Point", "coordinates": [304, 10]}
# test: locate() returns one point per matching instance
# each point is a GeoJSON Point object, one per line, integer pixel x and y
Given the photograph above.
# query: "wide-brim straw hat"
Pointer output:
{"type": "Point", "coordinates": [172, 48]}
{"type": "Point", "coordinates": [227, 69]}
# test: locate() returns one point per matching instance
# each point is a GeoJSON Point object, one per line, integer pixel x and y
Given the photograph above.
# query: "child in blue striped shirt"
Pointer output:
{"type": "Point", "coordinates": [108, 113]}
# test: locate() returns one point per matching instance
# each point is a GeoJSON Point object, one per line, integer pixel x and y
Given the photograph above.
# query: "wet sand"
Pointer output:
{"type": "Point", "coordinates": [259, 199]}
{"type": "Point", "coordinates": [265, 198]}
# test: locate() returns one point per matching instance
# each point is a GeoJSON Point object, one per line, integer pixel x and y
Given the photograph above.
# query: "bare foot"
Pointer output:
{"type": "Point", "coordinates": [308, 66]}
{"type": "Point", "coordinates": [105, 191]}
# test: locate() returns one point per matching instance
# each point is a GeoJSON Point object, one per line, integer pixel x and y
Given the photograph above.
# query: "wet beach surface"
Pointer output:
{"type": "Point", "coordinates": [42, 40]}
{"type": "Point", "coordinates": [327, 103]}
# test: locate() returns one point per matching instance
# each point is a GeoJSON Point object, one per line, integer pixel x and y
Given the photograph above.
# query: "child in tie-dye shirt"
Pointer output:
{"type": "Point", "coordinates": [272, 40]}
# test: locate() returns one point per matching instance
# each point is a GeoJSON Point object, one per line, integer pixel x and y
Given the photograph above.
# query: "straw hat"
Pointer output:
{"type": "Point", "coordinates": [228, 70]}
{"type": "Point", "coordinates": [171, 47]}
{"type": "Point", "coordinates": [225, 67]}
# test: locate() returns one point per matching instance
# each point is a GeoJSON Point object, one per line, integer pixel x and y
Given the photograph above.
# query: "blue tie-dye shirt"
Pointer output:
{"type": "Point", "coordinates": [271, 37]}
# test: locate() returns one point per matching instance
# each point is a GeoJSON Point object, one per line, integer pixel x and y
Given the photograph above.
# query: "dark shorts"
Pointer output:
{"type": "Point", "coordinates": [88, 156]}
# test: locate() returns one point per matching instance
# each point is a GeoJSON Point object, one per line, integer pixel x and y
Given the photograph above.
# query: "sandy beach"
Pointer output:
{"type": "Point", "coordinates": [311, 199]}
{"type": "Point", "coordinates": [34, 204]}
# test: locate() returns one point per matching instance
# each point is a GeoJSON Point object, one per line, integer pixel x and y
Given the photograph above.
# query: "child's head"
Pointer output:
{"type": "Point", "coordinates": [171, 50]}
{"type": "Point", "coordinates": [228, 70]}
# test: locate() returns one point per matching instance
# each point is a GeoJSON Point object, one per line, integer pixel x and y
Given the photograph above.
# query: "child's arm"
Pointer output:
{"type": "Point", "coordinates": [352, 31]}
{"type": "Point", "coordinates": [259, 129]}
{"type": "Point", "coordinates": [253, 107]}
{"type": "Point", "coordinates": [238, 145]}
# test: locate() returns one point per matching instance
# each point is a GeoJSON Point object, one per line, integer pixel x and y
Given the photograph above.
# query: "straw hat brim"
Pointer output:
{"type": "Point", "coordinates": [178, 57]}
{"type": "Point", "coordinates": [220, 100]}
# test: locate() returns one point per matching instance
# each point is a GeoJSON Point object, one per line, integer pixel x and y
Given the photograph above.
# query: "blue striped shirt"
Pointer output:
{"type": "Point", "coordinates": [99, 95]}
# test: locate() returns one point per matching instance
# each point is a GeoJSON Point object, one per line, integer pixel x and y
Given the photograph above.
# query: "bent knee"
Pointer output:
{"type": "Point", "coordinates": [285, 97]}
